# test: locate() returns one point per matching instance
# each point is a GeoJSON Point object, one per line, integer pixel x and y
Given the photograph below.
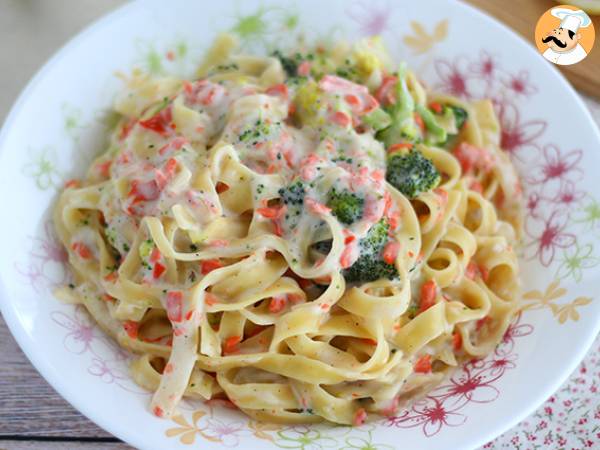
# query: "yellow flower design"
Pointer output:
{"type": "Point", "coordinates": [186, 431]}
{"type": "Point", "coordinates": [260, 429]}
{"type": "Point", "coordinates": [545, 299]}
{"type": "Point", "coordinates": [568, 311]}
{"type": "Point", "coordinates": [421, 42]}
{"type": "Point", "coordinates": [548, 298]}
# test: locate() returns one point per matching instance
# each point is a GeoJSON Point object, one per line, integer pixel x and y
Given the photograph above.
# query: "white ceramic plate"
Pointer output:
{"type": "Point", "coordinates": [59, 122]}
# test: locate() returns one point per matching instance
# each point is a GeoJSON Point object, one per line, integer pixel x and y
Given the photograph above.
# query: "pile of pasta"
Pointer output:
{"type": "Point", "coordinates": [182, 252]}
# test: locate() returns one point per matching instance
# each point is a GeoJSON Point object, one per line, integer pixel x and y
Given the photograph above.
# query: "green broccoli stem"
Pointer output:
{"type": "Point", "coordinates": [377, 119]}
{"type": "Point", "coordinates": [403, 126]}
{"type": "Point", "coordinates": [436, 133]}
{"type": "Point", "coordinates": [405, 105]}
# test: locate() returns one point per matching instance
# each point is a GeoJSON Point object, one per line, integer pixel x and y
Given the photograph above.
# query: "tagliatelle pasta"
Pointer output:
{"type": "Point", "coordinates": [311, 236]}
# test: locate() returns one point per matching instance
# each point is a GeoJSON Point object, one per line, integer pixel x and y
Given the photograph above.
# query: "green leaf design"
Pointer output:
{"type": "Point", "coordinates": [72, 120]}
{"type": "Point", "coordinates": [366, 443]}
{"type": "Point", "coordinates": [590, 215]}
{"type": "Point", "coordinates": [303, 438]}
{"type": "Point", "coordinates": [575, 260]}
{"type": "Point", "coordinates": [42, 168]}
{"type": "Point", "coordinates": [150, 58]}
{"type": "Point", "coordinates": [252, 26]}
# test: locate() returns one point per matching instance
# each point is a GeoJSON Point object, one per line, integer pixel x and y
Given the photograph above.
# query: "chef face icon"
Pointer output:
{"type": "Point", "coordinates": [561, 39]}
{"type": "Point", "coordinates": [564, 35]}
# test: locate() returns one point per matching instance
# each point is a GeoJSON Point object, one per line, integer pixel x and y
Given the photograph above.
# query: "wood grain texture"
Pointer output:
{"type": "Point", "coordinates": [522, 17]}
{"type": "Point", "coordinates": [28, 405]}
{"type": "Point", "coordinates": [71, 445]}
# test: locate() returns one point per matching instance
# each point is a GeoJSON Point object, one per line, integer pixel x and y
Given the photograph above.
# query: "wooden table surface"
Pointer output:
{"type": "Point", "coordinates": [32, 414]}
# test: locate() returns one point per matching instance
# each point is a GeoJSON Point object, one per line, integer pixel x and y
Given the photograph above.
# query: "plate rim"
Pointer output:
{"type": "Point", "coordinates": [43, 364]}
{"type": "Point", "coordinates": [593, 332]}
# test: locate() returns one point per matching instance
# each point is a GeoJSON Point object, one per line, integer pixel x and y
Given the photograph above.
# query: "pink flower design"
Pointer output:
{"type": "Point", "coordinates": [530, 436]}
{"type": "Point", "coordinates": [515, 330]}
{"type": "Point", "coordinates": [485, 67]}
{"type": "Point", "coordinates": [547, 238]}
{"type": "Point", "coordinates": [519, 84]}
{"type": "Point", "coordinates": [107, 371]}
{"type": "Point", "coordinates": [81, 330]}
{"type": "Point", "coordinates": [453, 79]}
{"type": "Point", "coordinates": [372, 19]}
{"type": "Point", "coordinates": [534, 201]}
{"type": "Point", "coordinates": [518, 137]}
{"type": "Point", "coordinates": [48, 248]}
{"type": "Point", "coordinates": [228, 433]}
{"type": "Point", "coordinates": [121, 354]}
{"type": "Point", "coordinates": [556, 166]}
{"type": "Point", "coordinates": [35, 276]}
{"type": "Point", "coordinates": [47, 266]}
{"type": "Point", "coordinates": [472, 384]}
{"type": "Point", "coordinates": [431, 416]}
{"type": "Point", "coordinates": [567, 196]}
{"type": "Point", "coordinates": [500, 364]}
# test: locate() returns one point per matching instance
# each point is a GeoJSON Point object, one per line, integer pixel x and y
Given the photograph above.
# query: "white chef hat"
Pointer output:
{"type": "Point", "coordinates": [571, 20]}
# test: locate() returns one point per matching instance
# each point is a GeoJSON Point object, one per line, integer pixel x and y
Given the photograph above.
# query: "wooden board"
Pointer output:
{"type": "Point", "coordinates": [30, 407]}
{"type": "Point", "coordinates": [522, 16]}
{"type": "Point", "coordinates": [61, 445]}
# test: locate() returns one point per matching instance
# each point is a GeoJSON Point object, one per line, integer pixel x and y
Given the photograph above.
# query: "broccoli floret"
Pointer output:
{"type": "Point", "coordinates": [460, 115]}
{"type": "Point", "coordinates": [348, 73]}
{"type": "Point", "coordinates": [308, 103]}
{"type": "Point", "coordinates": [411, 173]}
{"type": "Point", "coordinates": [376, 238]}
{"type": "Point", "coordinates": [293, 195]}
{"type": "Point", "coordinates": [259, 131]}
{"type": "Point", "coordinates": [370, 266]}
{"type": "Point", "coordinates": [371, 244]}
{"type": "Point", "coordinates": [290, 65]}
{"type": "Point", "coordinates": [346, 206]}
{"type": "Point", "coordinates": [452, 118]}
{"type": "Point", "coordinates": [367, 269]}
{"type": "Point", "coordinates": [146, 248]}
